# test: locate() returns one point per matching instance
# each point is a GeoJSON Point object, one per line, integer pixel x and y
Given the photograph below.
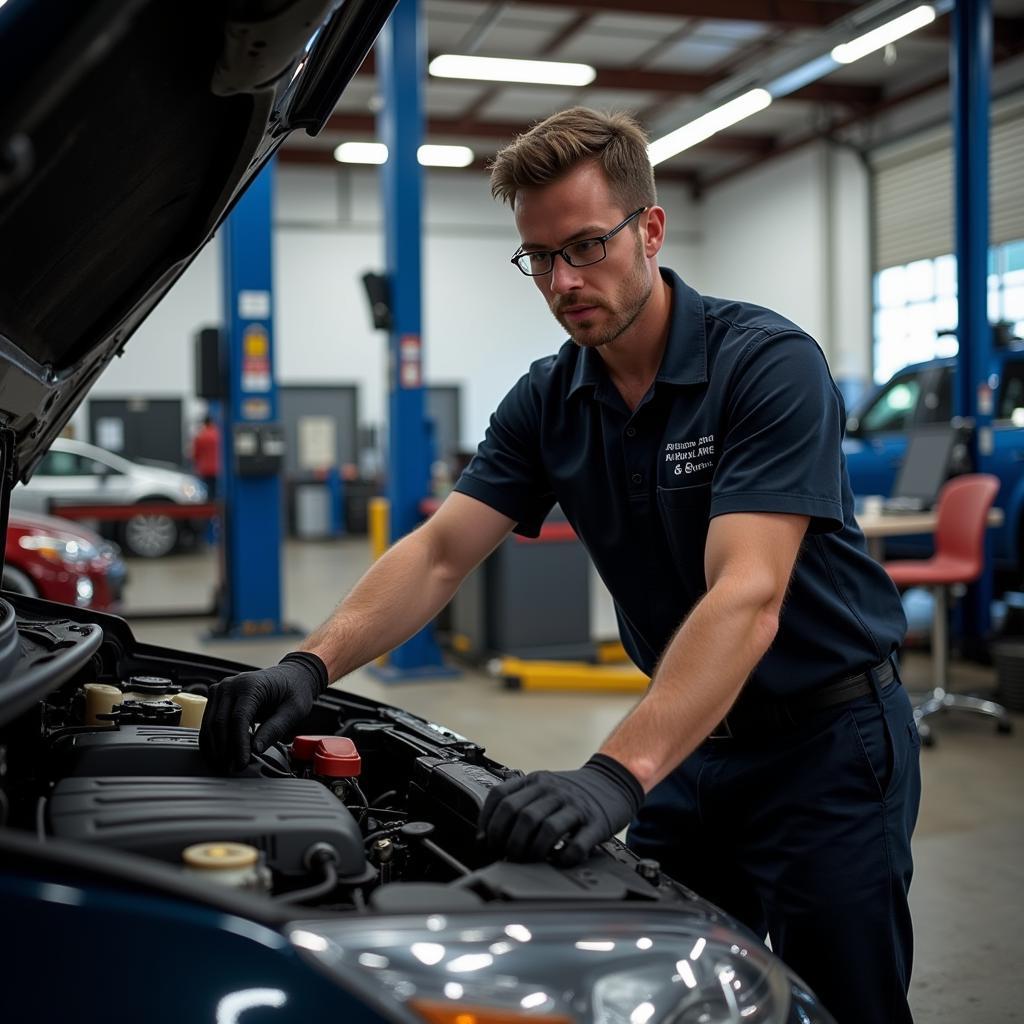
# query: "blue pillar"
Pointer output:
{"type": "Point", "coordinates": [251, 438]}
{"type": "Point", "coordinates": [401, 69]}
{"type": "Point", "coordinates": [970, 72]}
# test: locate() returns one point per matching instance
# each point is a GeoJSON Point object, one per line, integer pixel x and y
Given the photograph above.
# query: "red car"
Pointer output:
{"type": "Point", "coordinates": [61, 561]}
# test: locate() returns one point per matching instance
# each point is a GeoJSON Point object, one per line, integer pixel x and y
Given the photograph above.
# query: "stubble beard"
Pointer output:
{"type": "Point", "coordinates": [629, 302]}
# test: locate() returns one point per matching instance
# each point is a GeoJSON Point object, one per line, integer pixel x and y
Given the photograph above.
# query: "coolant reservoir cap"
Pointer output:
{"type": "Point", "coordinates": [152, 684]}
{"type": "Point", "coordinates": [304, 747]}
{"type": "Point", "coordinates": [337, 758]}
{"type": "Point", "coordinates": [220, 856]}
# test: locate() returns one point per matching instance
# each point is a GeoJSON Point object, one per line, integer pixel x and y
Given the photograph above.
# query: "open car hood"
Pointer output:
{"type": "Point", "coordinates": [128, 129]}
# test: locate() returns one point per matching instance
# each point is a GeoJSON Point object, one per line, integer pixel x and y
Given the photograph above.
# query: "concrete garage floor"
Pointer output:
{"type": "Point", "coordinates": [967, 894]}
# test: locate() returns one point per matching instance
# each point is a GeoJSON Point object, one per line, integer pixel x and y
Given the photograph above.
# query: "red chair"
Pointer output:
{"type": "Point", "coordinates": [962, 513]}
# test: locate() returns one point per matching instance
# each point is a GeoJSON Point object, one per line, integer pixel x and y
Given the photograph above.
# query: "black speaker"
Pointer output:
{"type": "Point", "coordinates": [209, 379]}
{"type": "Point", "coordinates": [378, 294]}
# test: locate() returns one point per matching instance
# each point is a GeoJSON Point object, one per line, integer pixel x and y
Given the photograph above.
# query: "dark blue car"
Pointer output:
{"type": "Point", "coordinates": [336, 879]}
{"type": "Point", "coordinates": [877, 430]}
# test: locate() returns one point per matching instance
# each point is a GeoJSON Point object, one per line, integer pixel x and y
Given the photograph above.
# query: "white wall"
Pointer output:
{"type": "Point", "coordinates": [157, 362]}
{"type": "Point", "coordinates": [794, 236]}
{"type": "Point", "coordinates": [483, 322]}
{"type": "Point", "coordinates": [764, 239]}
{"type": "Point", "coordinates": [850, 332]}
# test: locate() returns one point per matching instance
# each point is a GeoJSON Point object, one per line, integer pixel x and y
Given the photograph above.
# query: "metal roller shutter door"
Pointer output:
{"type": "Point", "coordinates": [913, 184]}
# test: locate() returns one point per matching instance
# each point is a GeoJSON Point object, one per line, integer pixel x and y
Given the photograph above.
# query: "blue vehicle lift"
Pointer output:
{"type": "Point", "coordinates": [251, 438]}
{"type": "Point", "coordinates": [401, 66]}
{"type": "Point", "coordinates": [970, 73]}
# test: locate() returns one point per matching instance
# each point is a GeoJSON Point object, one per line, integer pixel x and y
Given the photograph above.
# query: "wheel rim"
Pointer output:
{"type": "Point", "coordinates": [150, 536]}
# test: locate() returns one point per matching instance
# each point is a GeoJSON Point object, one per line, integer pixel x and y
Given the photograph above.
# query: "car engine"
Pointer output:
{"type": "Point", "coordinates": [370, 807]}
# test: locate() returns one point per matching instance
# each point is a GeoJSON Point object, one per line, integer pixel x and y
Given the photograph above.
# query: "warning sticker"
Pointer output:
{"type": "Point", "coordinates": [255, 359]}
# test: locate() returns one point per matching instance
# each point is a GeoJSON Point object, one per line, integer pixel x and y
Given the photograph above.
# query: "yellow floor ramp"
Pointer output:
{"type": "Point", "coordinates": [524, 674]}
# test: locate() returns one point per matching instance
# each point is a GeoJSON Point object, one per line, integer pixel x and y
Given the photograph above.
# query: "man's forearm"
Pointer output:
{"type": "Point", "coordinates": [696, 682]}
{"type": "Point", "coordinates": [397, 596]}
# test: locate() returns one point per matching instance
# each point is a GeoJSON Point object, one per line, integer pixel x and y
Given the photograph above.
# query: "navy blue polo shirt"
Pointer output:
{"type": "Point", "coordinates": [743, 416]}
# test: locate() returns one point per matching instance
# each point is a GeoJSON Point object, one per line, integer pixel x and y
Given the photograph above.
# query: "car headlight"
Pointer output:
{"type": "Point", "coordinates": [83, 591]}
{"type": "Point", "coordinates": [193, 490]}
{"type": "Point", "coordinates": [571, 968]}
{"type": "Point", "coordinates": [60, 550]}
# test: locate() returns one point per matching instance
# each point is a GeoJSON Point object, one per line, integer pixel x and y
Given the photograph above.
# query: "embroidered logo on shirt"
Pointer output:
{"type": "Point", "coordinates": [689, 457]}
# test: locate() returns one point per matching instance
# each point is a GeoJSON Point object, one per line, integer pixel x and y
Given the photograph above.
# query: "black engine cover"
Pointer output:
{"type": "Point", "coordinates": [128, 750]}
{"type": "Point", "coordinates": [160, 816]}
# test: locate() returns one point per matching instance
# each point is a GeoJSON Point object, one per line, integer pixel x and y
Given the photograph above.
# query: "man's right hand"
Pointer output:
{"type": "Point", "coordinates": [279, 697]}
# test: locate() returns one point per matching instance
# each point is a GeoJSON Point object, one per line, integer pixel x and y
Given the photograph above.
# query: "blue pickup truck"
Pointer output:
{"type": "Point", "coordinates": [876, 438]}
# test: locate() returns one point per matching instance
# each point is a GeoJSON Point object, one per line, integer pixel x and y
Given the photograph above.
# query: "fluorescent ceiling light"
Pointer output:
{"type": "Point", "coordinates": [800, 76]}
{"type": "Point", "coordinates": [503, 69]}
{"type": "Point", "coordinates": [428, 156]}
{"type": "Point", "coordinates": [847, 53]}
{"type": "Point", "coordinates": [708, 124]}
{"type": "Point", "coordinates": [361, 153]}
{"type": "Point", "coordinates": [445, 156]}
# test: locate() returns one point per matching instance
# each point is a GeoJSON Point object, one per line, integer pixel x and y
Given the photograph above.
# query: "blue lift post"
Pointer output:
{"type": "Point", "coordinates": [252, 444]}
{"type": "Point", "coordinates": [401, 67]}
{"type": "Point", "coordinates": [970, 72]}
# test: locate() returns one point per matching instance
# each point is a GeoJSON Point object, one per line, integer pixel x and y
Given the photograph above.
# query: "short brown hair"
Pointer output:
{"type": "Point", "coordinates": [561, 142]}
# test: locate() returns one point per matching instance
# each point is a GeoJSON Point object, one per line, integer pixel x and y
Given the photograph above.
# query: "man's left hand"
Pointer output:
{"type": "Point", "coordinates": [561, 815]}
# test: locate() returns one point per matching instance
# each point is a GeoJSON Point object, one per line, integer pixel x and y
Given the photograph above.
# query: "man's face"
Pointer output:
{"type": "Point", "coordinates": [596, 303]}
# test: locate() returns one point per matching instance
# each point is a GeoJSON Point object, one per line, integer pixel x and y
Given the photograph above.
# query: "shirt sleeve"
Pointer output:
{"type": "Point", "coordinates": [781, 449]}
{"type": "Point", "coordinates": [507, 472]}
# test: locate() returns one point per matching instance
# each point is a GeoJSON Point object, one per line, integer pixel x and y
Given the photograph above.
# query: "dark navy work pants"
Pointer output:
{"type": "Point", "coordinates": [804, 836]}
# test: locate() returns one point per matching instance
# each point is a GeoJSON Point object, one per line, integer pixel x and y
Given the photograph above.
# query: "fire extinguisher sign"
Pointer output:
{"type": "Point", "coordinates": [410, 363]}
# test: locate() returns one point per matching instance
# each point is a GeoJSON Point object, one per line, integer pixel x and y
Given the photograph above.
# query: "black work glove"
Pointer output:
{"type": "Point", "coordinates": [561, 815]}
{"type": "Point", "coordinates": [279, 697]}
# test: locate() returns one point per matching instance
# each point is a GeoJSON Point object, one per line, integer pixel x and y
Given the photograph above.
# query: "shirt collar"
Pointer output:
{"type": "Point", "coordinates": [686, 353]}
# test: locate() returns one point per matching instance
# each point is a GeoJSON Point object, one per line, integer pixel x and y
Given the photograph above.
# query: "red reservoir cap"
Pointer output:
{"type": "Point", "coordinates": [337, 758]}
{"type": "Point", "coordinates": [304, 747]}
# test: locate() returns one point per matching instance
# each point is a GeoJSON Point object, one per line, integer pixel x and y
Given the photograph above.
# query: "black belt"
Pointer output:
{"type": "Point", "coordinates": [756, 716]}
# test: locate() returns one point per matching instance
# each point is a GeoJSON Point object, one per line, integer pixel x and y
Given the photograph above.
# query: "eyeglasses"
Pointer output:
{"type": "Point", "coordinates": [577, 254]}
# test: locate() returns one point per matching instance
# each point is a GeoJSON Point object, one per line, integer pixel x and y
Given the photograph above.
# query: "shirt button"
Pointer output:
{"type": "Point", "coordinates": [630, 431]}
{"type": "Point", "coordinates": [637, 478]}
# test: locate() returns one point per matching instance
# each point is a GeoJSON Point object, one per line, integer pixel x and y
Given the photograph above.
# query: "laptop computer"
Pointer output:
{"type": "Point", "coordinates": [923, 471]}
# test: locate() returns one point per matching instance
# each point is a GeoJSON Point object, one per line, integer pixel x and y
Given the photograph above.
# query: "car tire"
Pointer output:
{"type": "Point", "coordinates": [149, 536]}
{"type": "Point", "coordinates": [19, 582]}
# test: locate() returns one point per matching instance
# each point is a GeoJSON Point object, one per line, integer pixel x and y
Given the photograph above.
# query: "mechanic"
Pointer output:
{"type": "Point", "coordinates": [206, 455]}
{"type": "Point", "coordinates": [694, 445]}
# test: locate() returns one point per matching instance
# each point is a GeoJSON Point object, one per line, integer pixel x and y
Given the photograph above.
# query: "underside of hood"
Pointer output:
{"type": "Point", "coordinates": [127, 131]}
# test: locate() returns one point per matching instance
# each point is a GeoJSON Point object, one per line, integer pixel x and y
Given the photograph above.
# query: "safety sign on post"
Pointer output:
{"type": "Point", "coordinates": [410, 370]}
{"type": "Point", "coordinates": [256, 359]}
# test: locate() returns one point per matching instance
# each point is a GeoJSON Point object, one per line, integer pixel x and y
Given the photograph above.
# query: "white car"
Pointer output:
{"type": "Point", "coordinates": [73, 472]}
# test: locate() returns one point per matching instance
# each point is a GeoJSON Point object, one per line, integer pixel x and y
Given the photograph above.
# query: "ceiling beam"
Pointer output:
{"type": "Point", "coordinates": [1010, 50]}
{"type": "Point", "coordinates": [313, 157]}
{"type": "Point", "coordinates": [686, 82]}
{"type": "Point", "coordinates": [794, 13]}
{"type": "Point", "coordinates": [365, 124]}
{"type": "Point", "coordinates": [563, 35]}
{"type": "Point", "coordinates": [781, 13]}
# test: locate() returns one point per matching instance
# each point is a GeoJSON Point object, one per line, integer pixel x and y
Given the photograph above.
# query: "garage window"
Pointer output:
{"type": "Point", "coordinates": [913, 237]}
{"type": "Point", "coordinates": [916, 308]}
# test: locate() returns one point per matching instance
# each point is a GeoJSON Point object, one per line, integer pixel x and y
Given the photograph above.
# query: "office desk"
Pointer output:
{"type": "Point", "coordinates": [879, 525]}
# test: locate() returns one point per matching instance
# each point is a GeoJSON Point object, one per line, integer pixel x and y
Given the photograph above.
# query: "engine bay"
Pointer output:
{"type": "Point", "coordinates": [368, 808]}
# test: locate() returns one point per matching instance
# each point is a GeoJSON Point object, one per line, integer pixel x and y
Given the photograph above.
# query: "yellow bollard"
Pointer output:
{"type": "Point", "coordinates": [379, 524]}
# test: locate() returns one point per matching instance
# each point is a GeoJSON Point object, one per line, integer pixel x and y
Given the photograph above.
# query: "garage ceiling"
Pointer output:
{"type": "Point", "coordinates": [654, 58]}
